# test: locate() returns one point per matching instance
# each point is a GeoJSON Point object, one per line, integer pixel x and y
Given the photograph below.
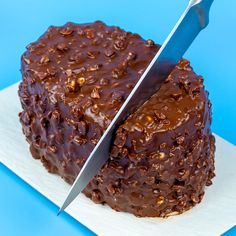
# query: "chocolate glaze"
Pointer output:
{"type": "Point", "coordinates": [75, 79]}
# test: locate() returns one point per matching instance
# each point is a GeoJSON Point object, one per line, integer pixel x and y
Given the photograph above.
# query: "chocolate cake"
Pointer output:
{"type": "Point", "coordinates": [75, 79]}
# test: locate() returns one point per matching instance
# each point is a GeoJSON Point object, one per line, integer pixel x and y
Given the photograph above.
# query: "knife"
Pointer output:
{"type": "Point", "coordinates": [192, 21]}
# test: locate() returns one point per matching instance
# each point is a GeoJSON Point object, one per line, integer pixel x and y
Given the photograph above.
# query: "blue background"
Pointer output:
{"type": "Point", "coordinates": [23, 211]}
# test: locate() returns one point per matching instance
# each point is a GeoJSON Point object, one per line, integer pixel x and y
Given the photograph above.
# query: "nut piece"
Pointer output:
{"type": "Point", "coordinates": [89, 34]}
{"type": "Point", "coordinates": [95, 93]}
{"type": "Point", "coordinates": [94, 67]}
{"type": "Point", "coordinates": [110, 53]}
{"type": "Point", "coordinates": [150, 43]}
{"type": "Point", "coordinates": [66, 31]}
{"type": "Point", "coordinates": [79, 70]}
{"type": "Point", "coordinates": [72, 86]}
{"type": "Point", "coordinates": [62, 47]}
{"type": "Point", "coordinates": [149, 119]}
{"type": "Point", "coordinates": [160, 115]}
{"type": "Point", "coordinates": [138, 127]}
{"type": "Point", "coordinates": [119, 45]}
{"type": "Point", "coordinates": [180, 140]}
{"type": "Point", "coordinates": [104, 81]}
{"type": "Point", "coordinates": [52, 149]}
{"type": "Point", "coordinates": [44, 59]}
{"type": "Point", "coordinates": [26, 60]}
{"type": "Point", "coordinates": [68, 72]}
{"type": "Point", "coordinates": [161, 155]}
{"type": "Point", "coordinates": [160, 200]}
{"type": "Point", "coordinates": [81, 80]}
{"type": "Point", "coordinates": [131, 56]}
{"type": "Point", "coordinates": [91, 54]}
{"type": "Point", "coordinates": [184, 65]}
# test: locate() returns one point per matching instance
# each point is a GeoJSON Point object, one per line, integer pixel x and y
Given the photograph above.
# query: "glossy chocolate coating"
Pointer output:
{"type": "Point", "coordinates": [75, 79]}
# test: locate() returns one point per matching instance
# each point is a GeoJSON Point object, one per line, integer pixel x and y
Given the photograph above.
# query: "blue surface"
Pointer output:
{"type": "Point", "coordinates": [26, 212]}
{"type": "Point", "coordinates": [22, 210]}
{"type": "Point", "coordinates": [231, 232]}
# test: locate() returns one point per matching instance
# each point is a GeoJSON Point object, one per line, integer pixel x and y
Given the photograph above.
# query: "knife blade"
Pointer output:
{"type": "Point", "coordinates": [192, 21]}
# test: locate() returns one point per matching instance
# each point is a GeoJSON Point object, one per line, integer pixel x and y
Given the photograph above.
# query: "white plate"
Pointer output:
{"type": "Point", "coordinates": [215, 215]}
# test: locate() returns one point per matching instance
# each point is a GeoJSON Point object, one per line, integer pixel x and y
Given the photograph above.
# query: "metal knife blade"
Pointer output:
{"type": "Point", "coordinates": [192, 21]}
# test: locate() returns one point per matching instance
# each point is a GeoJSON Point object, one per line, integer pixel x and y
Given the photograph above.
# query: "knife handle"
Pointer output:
{"type": "Point", "coordinates": [202, 9]}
